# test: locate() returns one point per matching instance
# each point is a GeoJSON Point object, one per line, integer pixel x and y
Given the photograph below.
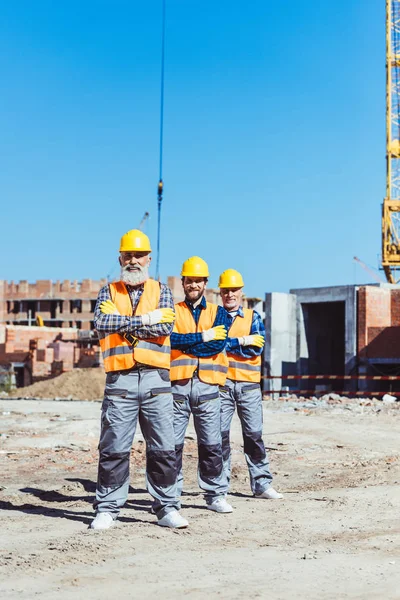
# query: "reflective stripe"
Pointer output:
{"type": "Point", "coordinates": [184, 362]}
{"type": "Point", "coordinates": [129, 349]}
{"type": "Point", "coordinates": [233, 364]}
{"type": "Point", "coordinates": [221, 368]}
{"type": "Point", "coordinates": [154, 347]}
{"type": "Point", "coordinates": [117, 350]}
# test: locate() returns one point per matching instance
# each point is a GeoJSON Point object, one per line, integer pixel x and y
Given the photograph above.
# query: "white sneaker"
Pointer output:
{"type": "Point", "coordinates": [270, 494]}
{"type": "Point", "coordinates": [220, 505]}
{"type": "Point", "coordinates": [103, 520]}
{"type": "Point", "coordinates": [174, 520]}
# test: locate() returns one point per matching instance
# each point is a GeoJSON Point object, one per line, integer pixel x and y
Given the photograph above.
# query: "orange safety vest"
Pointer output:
{"type": "Point", "coordinates": [243, 369]}
{"type": "Point", "coordinates": [123, 352]}
{"type": "Point", "coordinates": [212, 369]}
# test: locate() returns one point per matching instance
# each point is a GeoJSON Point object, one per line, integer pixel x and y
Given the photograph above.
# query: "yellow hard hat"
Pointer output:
{"type": "Point", "coordinates": [135, 240]}
{"type": "Point", "coordinates": [230, 279]}
{"type": "Point", "coordinates": [195, 267]}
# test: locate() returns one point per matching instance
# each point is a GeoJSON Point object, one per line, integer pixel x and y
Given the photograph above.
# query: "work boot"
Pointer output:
{"type": "Point", "coordinates": [103, 520]}
{"type": "Point", "coordinates": [269, 494]}
{"type": "Point", "coordinates": [173, 520]}
{"type": "Point", "coordinates": [220, 505]}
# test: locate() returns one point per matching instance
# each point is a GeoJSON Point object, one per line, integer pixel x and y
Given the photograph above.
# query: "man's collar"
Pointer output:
{"type": "Point", "coordinates": [202, 304]}
{"type": "Point", "coordinates": [134, 288]}
{"type": "Point", "coordinates": [239, 312]}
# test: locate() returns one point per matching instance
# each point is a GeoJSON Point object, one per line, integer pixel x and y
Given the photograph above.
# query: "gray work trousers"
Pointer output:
{"type": "Point", "coordinates": [246, 397]}
{"type": "Point", "coordinates": [203, 401]}
{"type": "Point", "coordinates": [142, 393]}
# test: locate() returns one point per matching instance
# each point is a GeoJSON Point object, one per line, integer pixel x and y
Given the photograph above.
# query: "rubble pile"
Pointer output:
{"type": "Point", "coordinates": [333, 402]}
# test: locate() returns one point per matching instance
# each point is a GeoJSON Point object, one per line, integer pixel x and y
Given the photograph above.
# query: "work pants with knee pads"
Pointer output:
{"type": "Point", "coordinates": [142, 394]}
{"type": "Point", "coordinates": [247, 399]}
{"type": "Point", "coordinates": [192, 396]}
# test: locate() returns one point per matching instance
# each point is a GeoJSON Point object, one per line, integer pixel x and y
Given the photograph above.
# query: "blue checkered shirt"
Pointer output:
{"type": "Point", "coordinates": [134, 325]}
{"type": "Point", "coordinates": [192, 343]}
{"type": "Point", "coordinates": [257, 328]}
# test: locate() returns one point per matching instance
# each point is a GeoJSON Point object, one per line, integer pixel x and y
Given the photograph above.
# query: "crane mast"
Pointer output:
{"type": "Point", "coordinates": [391, 203]}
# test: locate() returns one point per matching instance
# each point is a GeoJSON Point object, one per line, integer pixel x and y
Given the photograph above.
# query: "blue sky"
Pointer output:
{"type": "Point", "coordinates": [274, 142]}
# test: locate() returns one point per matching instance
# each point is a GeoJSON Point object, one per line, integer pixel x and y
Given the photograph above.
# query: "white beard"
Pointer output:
{"type": "Point", "coordinates": [134, 277]}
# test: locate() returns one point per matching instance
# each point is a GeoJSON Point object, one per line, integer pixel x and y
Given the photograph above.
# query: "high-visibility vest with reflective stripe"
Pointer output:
{"type": "Point", "coordinates": [243, 369]}
{"type": "Point", "coordinates": [212, 369]}
{"type": "Point", "coordinates": [120, 353]}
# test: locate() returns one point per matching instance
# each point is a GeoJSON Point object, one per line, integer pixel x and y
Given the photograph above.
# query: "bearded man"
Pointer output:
{"type": "Point", "coordinates": [134, 318]}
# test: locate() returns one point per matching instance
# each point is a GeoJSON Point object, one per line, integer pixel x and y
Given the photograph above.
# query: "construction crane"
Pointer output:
{"type": "Point", "coordinates": [368, 269]}
{"type": "Point", "coordinates": [143, 221]}
{"type": "Point", "coordinates": [391, 203]}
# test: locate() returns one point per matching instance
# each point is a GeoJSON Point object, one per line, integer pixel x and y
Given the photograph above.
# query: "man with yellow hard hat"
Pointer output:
{"type": "Point", "coordinates": [134, 318]}
{"type": "Point", "coordinates": [242, 387]}
{"type": "Point", "coordinates": [198, 367]}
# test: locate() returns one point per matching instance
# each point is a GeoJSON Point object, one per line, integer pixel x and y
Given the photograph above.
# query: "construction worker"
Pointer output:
{"type": "Point", "coordinates": [134, 318]}
{"type": "Point", "coordinates": [242, 388]}
{"type": "Point", "coordinates": [198, 367]}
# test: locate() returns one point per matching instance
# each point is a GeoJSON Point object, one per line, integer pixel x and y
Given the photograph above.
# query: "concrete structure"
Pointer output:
{"type": "Point", "coordinates": [341, 330]}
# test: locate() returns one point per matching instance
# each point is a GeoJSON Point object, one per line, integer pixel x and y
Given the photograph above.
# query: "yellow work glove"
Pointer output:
{"type": "Point", "coordinates": [215, 333]}
{"type": "Point", "coordinates": [252, 340]}
{"type": "Point", "coordinates": [108, 308]}
{"type": "Point", "coordinates": [160, 315]}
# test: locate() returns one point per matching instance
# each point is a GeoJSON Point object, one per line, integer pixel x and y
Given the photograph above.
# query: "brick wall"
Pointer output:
{"type": "Point", "coordinates": [378, 322]}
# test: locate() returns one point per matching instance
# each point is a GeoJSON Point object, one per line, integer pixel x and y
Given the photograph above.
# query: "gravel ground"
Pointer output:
{"type": "Point", "coordinates": [336, 534]}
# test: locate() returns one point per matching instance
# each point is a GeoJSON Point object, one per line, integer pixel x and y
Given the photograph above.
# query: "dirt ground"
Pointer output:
{"type": "Point", "coordinates": [336, 534]}
{"type": "Point", "coordinates": [78, 384]}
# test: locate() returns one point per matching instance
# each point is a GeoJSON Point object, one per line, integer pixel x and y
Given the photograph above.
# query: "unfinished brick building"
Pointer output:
{"type": "Point", "coordinates": [60, 304]}
{"type": "Point", "coordinates": [341, 330]}
{"type": "Point", "coordinates": [67, 340]}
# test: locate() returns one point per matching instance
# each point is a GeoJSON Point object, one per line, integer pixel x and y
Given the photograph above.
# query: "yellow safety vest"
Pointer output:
{"type": "Point", "coordinates": [118, 351]}
{"type": "Point", "coordinates": [212, 369]}
{"type": "Point", "coordinates": [243, 369]}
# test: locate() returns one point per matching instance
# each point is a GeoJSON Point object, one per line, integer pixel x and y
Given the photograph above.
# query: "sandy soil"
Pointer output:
{"type": "Point", "coordinates": [335, 535]}
{"type": "Point", "coordinates": [79, 384]}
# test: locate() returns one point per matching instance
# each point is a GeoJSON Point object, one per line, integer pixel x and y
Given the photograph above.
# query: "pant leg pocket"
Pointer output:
{"type": "Point", "coordinates": [164, 375]}
{"type": "Point", "coordinates": [160, 390]}
{"type": "Point", "coordinates": [108, 407]}
{"type": "Point", "coordinates": [208, 397]}
{"type": "Point", "coordinates": [250, 387]}
{"type": "Point", "coordinates": [107, 410]}
{"type": "Point", "coordinates": [179, 398]}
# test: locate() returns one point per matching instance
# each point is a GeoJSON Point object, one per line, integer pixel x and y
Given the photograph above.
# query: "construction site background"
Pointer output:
{"type": "Point", "coordinates": [343, 330]}
{"type": "Point", "coordinates": [30, 353]}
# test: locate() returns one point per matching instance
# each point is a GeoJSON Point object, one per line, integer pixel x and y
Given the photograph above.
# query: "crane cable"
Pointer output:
{"type": "Point", "coordinates": [160, 180]}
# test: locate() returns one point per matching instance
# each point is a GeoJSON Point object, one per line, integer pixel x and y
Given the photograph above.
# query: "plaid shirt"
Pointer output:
{"type": "Point", "coordinates": [257, 328]}
{"type": "Point", "coordinates": [192, 343]}
{"type": "Point", "coordinates": [119, 324]}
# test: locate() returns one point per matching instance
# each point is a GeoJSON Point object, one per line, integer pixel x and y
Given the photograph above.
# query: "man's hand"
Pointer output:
{"type": "Point", "coordinates": [108, 308]}
{"type": "Point", "coordinates": [252, 340]}
{"type": "Point", "coordinates": [160, 315]}
{"type": "Point", "coordinates": [215, 333]}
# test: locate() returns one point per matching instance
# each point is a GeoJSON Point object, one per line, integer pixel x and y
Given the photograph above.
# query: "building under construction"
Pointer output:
{"type": "Point", "coordinates": [342, 338]}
